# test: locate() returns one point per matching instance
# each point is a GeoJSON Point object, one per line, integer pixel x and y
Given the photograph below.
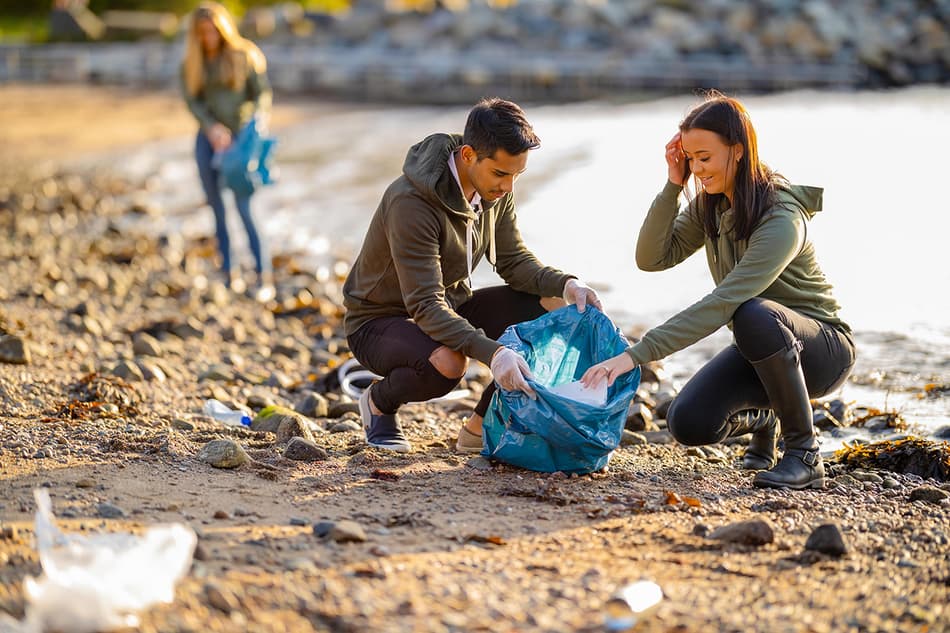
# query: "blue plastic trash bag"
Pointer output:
{"type": "Point", "coordinates": [556, 433]}
{"type": "Point", "coordinates": [246, 164]}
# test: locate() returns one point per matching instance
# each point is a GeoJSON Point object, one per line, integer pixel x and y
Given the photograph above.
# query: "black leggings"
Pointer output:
{"type": "Point", "coordinates": [728, 384]}
{"type": "Point", "coordinates": [397, 349]}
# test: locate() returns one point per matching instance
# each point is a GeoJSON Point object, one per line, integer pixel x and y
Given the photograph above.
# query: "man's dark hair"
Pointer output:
{"type": "Point", "coordinates": [495, 123]}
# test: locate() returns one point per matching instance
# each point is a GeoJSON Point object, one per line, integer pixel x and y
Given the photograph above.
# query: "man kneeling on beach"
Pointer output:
{"type": "Point", "coordinates": [411, 314]}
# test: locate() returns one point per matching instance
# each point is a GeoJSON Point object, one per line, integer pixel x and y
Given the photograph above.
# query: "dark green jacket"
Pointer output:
{"type": "Point", "coordinates": [777, 262]}
{"type": "Point", "coordinates": [413, 261]}
{"type": "Point", "coordinates": [217, 102]}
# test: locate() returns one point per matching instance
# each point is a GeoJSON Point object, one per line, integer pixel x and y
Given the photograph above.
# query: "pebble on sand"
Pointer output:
{"type": "Point", "coordinates": [929, 494]}
{"type": "Point", "coordinates": [827, 539]}
{"type": "Point", "coordinates": [755, 532]}
{"type": "Point", "coordinates": [303, 450]}
{"type": "Point", "coordinates": [14, 349]}
{"type": "Point", "coordinates": [223, 454]}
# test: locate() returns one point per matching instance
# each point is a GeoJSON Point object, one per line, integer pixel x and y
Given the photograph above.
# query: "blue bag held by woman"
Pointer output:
{"type": "Point", "coordinates": [246, 165]}
{"type": "Point", "coordinates": [557, 432]}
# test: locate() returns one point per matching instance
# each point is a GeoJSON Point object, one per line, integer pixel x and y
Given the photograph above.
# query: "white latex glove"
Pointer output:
{"type": "Point", "coordinates": [509, 370]}
{"type": "Point", "coordinates": [579, 293]}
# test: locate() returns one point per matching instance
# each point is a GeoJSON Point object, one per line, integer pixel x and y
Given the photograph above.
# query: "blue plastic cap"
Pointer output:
{"type": "Point", "coordinates": [245, 420]}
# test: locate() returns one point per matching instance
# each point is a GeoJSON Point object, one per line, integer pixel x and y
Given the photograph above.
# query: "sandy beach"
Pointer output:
{"type": "Point", "coordinates": [112, 339]}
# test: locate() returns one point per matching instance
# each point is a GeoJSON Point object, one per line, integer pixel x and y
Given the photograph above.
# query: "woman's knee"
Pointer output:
{"type": "Point", "coordinates": [688, 425]}
{"type": "Point", "coordinates": [448, 362]}
{"type": "Point", "coordinates": [759, 331]}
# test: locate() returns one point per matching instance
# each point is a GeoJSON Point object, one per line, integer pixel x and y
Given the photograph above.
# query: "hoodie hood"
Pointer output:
{"type": "Point", "coordinates": [806, 198]}
{"type": "Point", "coordinates": [427, 169]}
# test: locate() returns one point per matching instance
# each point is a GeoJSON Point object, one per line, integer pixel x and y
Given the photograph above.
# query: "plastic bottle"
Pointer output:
{"type": "Point", "coordinates": [631, 604]}
{"type": "Point", "coordinates": [220, 412]}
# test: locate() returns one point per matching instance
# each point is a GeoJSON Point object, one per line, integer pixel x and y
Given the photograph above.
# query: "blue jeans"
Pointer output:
{"type": "Point", "coordinates": [209, 181]}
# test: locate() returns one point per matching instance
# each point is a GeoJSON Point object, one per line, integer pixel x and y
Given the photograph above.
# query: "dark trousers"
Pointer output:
{"type": "Point", "coordinates": [728, 384]}
{"type": "Point", "coordinates": [397, 349]}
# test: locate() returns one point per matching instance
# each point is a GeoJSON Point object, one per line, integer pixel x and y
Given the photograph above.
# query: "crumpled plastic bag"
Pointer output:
{"type": "Point", "coordinates": [98, 582]}
{"type": "Point", "coordinates": [565, 429]}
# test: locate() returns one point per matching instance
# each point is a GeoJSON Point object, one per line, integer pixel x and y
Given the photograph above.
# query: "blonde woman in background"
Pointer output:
{"type": "Point", "coordinates": [225, 86]}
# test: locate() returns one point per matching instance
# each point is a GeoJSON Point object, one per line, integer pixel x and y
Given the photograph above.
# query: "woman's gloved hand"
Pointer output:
{"type": "Point", "coordinates": [579, 293]}
{"type": "Point", "coordinates": [510, 370]}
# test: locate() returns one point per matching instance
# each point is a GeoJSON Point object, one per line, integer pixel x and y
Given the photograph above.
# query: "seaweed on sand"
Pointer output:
{"type": "Point", "coordinates": [912, 455]}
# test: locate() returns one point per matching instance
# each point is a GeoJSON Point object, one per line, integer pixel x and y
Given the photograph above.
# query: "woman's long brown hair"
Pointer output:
{"type": "Point", "coordinates": [754, 188]}
{"type": "Point", "coordinates": [240, 55]}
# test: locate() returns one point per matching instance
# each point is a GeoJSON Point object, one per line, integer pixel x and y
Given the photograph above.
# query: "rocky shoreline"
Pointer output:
{"type": "Point", "coordinates": [112, 339]}
{"type": "Point", "coordinates": [550, 50]}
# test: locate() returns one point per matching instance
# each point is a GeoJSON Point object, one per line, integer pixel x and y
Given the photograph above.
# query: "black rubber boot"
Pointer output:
{"type": "Point", "coordinates": [800, 466]}
{"type": "Point", "coordinates": [762, 423]}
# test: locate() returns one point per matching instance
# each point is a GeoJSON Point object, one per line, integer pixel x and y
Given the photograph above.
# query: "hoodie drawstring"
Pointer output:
{"type": "Point", "coordinates": [469, 237]}
{"type": "Point", "coordinates": [469, 231]}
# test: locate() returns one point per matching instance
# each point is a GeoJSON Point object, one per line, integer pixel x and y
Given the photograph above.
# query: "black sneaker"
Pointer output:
{"type": "Point", "coordinates": [382, 431]}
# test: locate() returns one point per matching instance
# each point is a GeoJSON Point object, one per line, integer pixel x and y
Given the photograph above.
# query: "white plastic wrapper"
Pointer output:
{"type": "Point", "coordinates": [99, 582]}
{"type": "Point", "coordinates": [577, 391]}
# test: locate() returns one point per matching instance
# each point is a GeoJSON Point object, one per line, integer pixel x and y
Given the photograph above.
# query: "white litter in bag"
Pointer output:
{"type": "Point", "coordinates": [576, 390]}
{"type": "Point", "coordinates": [98, 582]}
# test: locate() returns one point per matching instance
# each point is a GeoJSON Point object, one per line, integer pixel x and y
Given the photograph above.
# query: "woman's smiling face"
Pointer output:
{"type": "Point", "coordinates": [711, 160]}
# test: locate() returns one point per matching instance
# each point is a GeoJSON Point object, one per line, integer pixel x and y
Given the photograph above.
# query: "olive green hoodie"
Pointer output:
{"type": "Point", "coordinates": [777, 262]}
{"type": "Point", "coordinates": [218, 102]}
{"type": "Point", "coordinates": [414, 261]}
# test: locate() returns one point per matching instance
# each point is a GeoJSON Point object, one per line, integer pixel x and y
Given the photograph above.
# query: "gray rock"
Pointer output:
{"type": "Point", "coordinates": [144, 344]}
{"type": "Point", "coordinates": [663, 403]}
{"type": "Point", "coordinates": [292, 426]}
{"type": "Point", "coordinates": [298, 521]}
{"type": "Point", "coordinates": [218, 372]}
{"type": "Point", "coordinates": [629, 438]}
{"type": "Point", "coordinates": [639, 418]}
{"type": "Point", "coordinates": [223, 454]}
{"type": "Point", "coordinates": [182, 425]}
{"type": "Point", "coordinates": [14, 350]}
{"type": "Point", "coordinates": [827, 539]}
{"type": "Point", "coordinates": [322, 528]}
{"type": "Point", "coordinates": [846, 480]}
{"type": "Point", "coordinates": [260, 400]}
{"type": "Point", "coordinates": [754, 532]}
{"type": "Point", "coordinates": [861, 475]}
{"type": "Point", "coordinates": [191, 328]}
{"type": "Point", "coordinates": [337, 409]}
{"type": "Point", "coordinates": [109, 511]}
{"type": "Point", "coordinates": [220, 598]}
{"type": "Point", "coordinates": [128, 371]}
{"type": "Point", "coordinates": [313, 405]}
{"type": "Point", "coordinates": [347, 531]}
{"type": "Point", "coordinates": [478, 463]}
{"type": "Point", "coordinates": [928, 494]}
{"type": "Point", "coordinates": [151, 371]}
{"type": "Point", "coordinates": [279, 379]}
{"type": "Point", "coordinates": [235, 333]}
{"type": "Point", "coordinates": [658, 437]}
{"type": "Point", "coordinates": [345, 426]}
{"type": "Point", "coordinates": [303, 450]}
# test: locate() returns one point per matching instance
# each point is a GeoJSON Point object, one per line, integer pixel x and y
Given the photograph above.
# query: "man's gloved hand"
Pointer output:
{"type": "Point", "coordinates": [509, 370]}
{"type": "Point", "coordinates": [579, 293]}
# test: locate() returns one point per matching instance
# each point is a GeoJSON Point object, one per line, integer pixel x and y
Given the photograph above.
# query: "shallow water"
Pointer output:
{"type": "Point", "coordinates": [881, 238]}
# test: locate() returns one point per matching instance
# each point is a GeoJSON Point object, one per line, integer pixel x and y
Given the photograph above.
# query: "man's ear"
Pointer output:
{"type": "Point", "coordinates": [468, 155]}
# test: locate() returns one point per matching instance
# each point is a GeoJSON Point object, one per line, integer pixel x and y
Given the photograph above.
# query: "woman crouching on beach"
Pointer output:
{"type": "Point", "coordinates": [789, 343]}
